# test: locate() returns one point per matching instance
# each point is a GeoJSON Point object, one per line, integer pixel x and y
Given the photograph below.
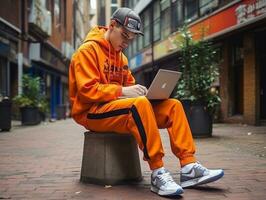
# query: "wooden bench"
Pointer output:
{"type": "Point", "coordinates": [109, 159]}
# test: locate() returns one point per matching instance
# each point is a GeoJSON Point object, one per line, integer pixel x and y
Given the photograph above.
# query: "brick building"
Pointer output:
{"type": "Point", "coordinates": [36, 37]}
{"type": "Point", "coordinates": [237, 28]}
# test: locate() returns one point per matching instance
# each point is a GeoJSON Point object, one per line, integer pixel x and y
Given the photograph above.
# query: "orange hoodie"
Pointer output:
{"type": "Point", "coordinates": [96, 73]}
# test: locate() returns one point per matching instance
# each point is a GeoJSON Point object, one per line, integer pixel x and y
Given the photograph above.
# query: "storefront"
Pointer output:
{"type": "Point", "coordinates": [9, 44]}
{"type": "Point", "coordinates": [49, 64]}
{"type": "Point", "coordinates": [9, 48]}
{"type": "Point", "coordinates": [260, 44]}
{"type": "Point", "coordinates": [242, 83]}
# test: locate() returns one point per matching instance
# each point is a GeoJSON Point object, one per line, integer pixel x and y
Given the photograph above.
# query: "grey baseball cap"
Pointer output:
{"type": "Point", "coordinates": [129, 19]}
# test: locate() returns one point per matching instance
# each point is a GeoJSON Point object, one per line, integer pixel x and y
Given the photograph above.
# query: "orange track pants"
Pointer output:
{"type": "Point", "coordinates": [142, 118]}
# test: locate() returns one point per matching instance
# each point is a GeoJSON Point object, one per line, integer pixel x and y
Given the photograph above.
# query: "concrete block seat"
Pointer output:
{"type": "Point", "coordinates": [109, 159]}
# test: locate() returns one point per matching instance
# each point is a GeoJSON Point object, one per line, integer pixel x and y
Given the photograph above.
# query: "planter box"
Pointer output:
{"type": "Point", "coordinates": [200, 121]}
{"type": "Point", "coordinates": [30, 116]}
{"type": "Point", "coordinates": [5, 115]}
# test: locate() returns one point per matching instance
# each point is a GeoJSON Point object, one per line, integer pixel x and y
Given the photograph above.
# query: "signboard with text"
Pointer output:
{"type": "Point", "coordinates": [227, 19]}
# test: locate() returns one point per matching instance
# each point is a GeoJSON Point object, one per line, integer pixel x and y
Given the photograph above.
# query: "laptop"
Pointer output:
{"type": "Point", "coordinates": [163, 84]}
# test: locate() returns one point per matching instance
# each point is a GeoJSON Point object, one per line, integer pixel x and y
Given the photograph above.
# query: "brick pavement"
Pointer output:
{"type": "Point", "coordinates": [43, 162]}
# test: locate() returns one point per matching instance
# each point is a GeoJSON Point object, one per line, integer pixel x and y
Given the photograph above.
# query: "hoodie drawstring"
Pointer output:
{"type": "Point", "coordinates": [109, 62]}
{"type": "Point", "coordinates": [117, 60]}
{"type": "Point", "coordinates": [122, 71]}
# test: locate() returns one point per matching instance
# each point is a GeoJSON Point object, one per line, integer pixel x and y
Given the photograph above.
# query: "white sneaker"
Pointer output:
{"type": "Point", "coordinates": [163, 184]}
{"type": "Point", "coordinates": [195, 174]}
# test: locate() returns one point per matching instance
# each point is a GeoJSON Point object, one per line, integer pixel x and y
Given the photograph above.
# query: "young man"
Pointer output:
{"type": "Point", "coordinates": [104, 97]}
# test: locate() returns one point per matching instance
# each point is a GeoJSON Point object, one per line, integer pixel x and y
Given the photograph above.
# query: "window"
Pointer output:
{"type": "Point", "coordinates": [156, 21]}
{"type": "Point", "coordinates": [101, 13]}
{"type": "Point", "coordinates": [114, 6]}
{"type": "Point", "coordinates": [191, 9]}
{"type": "Point", "coordinates": [166, 18]}
{"type": "Point", "coordinates": [207, 6]}
{"type": "Point", "coordinates": [130, 4]}
{"type": "Point", "coordinates": [147, 31]}
{"type": "Point", "coordinates": [177, 14]}
{"type": "Point", "coordinates": [224, 2]}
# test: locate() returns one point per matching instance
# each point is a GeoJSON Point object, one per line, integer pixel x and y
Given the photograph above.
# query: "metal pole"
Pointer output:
{"type": "Point", "coordinates": [20, 49]}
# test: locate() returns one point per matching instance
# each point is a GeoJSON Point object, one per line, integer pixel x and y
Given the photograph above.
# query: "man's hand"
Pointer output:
{"type": "Point", "coordinates": [134, 91]}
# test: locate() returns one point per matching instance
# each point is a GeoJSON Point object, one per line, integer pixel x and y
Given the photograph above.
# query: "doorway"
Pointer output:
{"type": "Point", "coordinates": [236, 74]}
{"type": "Point", "coordinates": [261, 61]}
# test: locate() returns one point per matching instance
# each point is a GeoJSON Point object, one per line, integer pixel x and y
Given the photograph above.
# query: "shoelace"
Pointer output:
{"type": "Point", "coordinates": [200, 167]}
{"type": "Point", "coordinates": [165, 178]}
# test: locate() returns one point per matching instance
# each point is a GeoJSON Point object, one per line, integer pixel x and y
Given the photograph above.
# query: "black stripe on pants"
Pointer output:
{"type": "Point", "coordinates": [136, 118]}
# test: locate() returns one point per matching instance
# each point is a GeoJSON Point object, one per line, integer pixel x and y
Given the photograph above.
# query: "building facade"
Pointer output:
{"type": "Point", "coordinates": [237, 28]}
{"type": "Point", "coordinates": [105, 9]}
{"type": "Point", "coordinates": [83, 16]}
{"type": "Point", "coordinates": [10, 46]}
{"type": "Point", "coordinates": [36, 38]}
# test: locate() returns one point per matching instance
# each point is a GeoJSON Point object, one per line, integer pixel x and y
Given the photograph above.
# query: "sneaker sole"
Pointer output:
{"type": "Point", "coordinates": [166, 193]}
{"type": "Point", "coordinates": [201, 180]}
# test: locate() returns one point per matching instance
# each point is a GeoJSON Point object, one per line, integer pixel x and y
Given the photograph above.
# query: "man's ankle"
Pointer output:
{"type": "Point", "coordinates": [187, 167]}
{"type": "Point", "coordinates": [155, 171]}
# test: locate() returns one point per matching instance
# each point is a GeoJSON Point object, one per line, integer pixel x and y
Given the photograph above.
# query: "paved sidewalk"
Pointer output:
{"type": "Point", "coordinates": [43, 162]}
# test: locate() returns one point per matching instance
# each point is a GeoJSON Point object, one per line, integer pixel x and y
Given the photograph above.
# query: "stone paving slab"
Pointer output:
{"type": "Point", "coordinates": [43, 162]}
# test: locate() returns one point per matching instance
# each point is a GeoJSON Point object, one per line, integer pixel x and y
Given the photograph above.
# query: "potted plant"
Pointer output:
{"type": "Point", "coordinates": [30, 101]}
{"type": "Point", "coordinates": [195, 88]}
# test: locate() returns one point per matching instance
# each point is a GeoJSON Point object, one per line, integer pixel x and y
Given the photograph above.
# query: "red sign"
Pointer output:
{"type": "Point", "coordinates": [238, 13]}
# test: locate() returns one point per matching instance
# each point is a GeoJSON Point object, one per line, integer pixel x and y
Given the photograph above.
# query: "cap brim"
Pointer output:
{"type": "Point", "coordinates": [134, 31]}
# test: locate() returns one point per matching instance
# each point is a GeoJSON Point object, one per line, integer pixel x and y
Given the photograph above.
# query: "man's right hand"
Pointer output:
{"type": "Point", "coordinates": [134, 91]}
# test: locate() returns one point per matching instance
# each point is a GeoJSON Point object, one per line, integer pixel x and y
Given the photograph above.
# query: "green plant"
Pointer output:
{"type": "Point", "coordinates": [199, 70]}
{"type": "Point", "coordinates": [43, 105]}
{"type": "Point", "coordinates": [31, 95]}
